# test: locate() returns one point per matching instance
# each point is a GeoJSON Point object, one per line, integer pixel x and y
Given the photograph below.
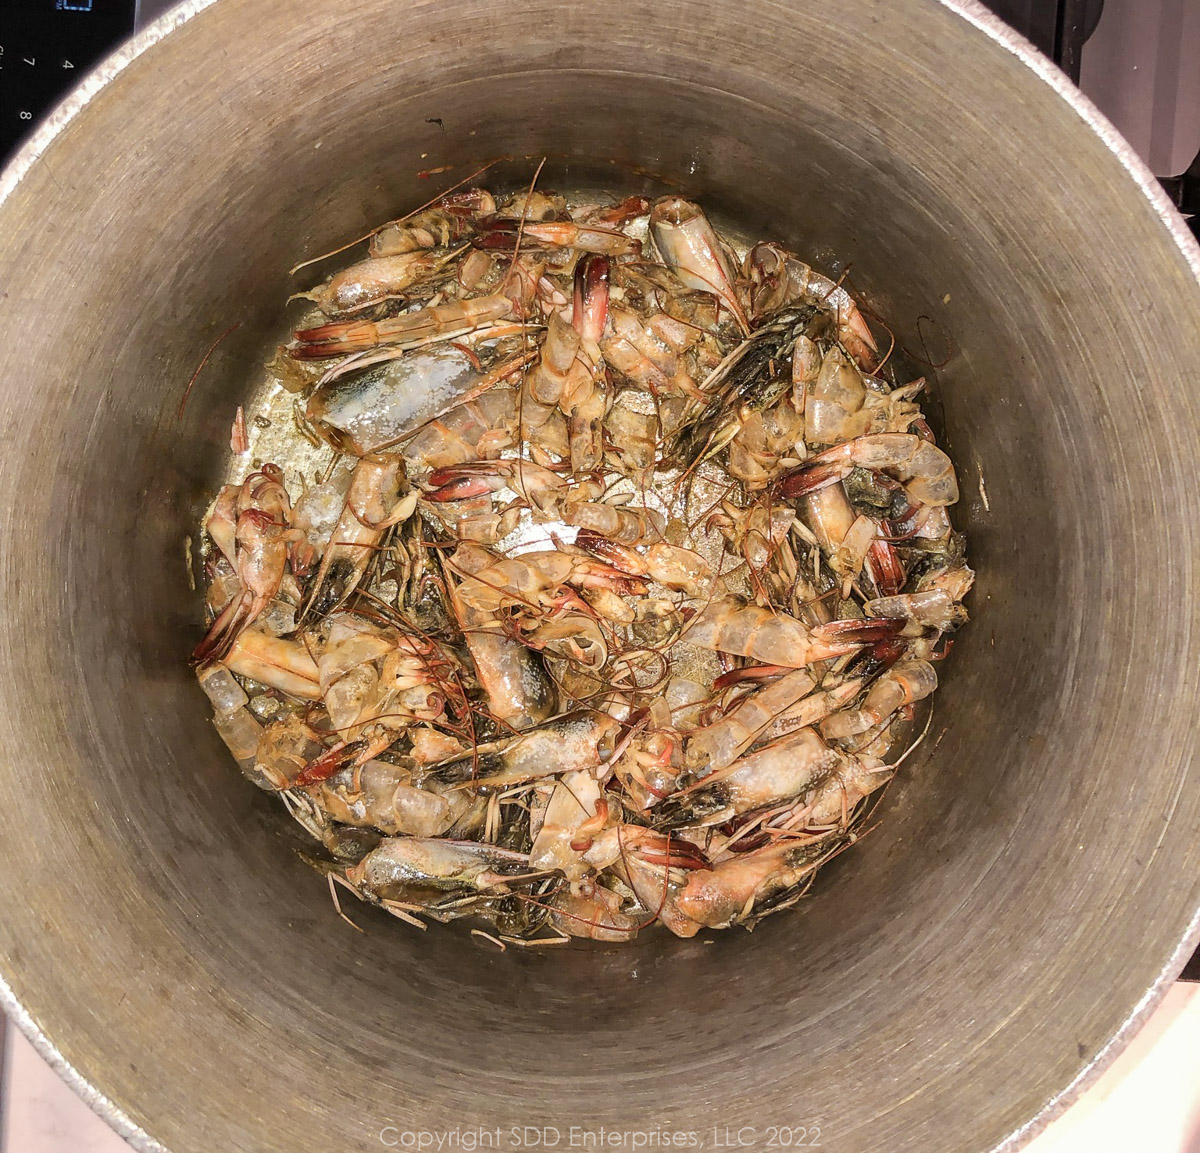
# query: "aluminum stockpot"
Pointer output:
{"type": "Point", "coordinates": [1035, 879]}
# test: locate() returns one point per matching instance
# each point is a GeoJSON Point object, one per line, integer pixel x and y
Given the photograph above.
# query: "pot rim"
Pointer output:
{"type": "Point", "coordinates": [1043, 69]}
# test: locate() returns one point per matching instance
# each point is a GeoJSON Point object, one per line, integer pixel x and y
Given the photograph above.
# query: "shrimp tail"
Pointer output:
{"type": "Point", "coordinates": [328, 764]}
{"type": "Point", "coordinates": [590, 307]}
{"type": "Point", "coordinates": [887, 570]}
{"type": "Point", "coordinates": [229, 624]}
{"type": "Point", "coordinates": [859, 632]}
{"type": "Point", "coordinates": [457, 488]}
{"type": "Point", "coordinates": [672, 852]}
{"type": "Point", "coordinates": [878, 657]}
{"type": "Point", "coordinates": [334, 339]}
{"type": "Point", "coordinates": [750, 673]}
{"type": "Point", "coordinates": [809, 479]}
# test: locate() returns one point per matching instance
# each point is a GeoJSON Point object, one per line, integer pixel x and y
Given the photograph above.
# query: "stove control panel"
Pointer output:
{"type": "Point", "coordinates": [46, 46]}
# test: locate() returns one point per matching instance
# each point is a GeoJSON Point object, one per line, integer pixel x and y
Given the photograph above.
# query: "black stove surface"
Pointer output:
{"type": "Point", "coordinates": [45, 47]}
{"type": "Point", "coordinates": [1058, 27]}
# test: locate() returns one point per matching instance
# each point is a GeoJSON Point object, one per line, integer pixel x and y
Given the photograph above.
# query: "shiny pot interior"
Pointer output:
{"type": "Point", "coordinates": [1038, 865]}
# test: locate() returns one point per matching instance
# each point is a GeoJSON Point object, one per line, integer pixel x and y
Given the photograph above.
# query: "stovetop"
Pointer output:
{"type": "Point", "coordinates": [1136, 67]}
{"type": "Point", "coordinates": [45, 47]}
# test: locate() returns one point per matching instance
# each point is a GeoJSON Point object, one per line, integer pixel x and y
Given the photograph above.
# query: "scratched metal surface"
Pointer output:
{"type": "Point", "coordinates": [1035, 883]}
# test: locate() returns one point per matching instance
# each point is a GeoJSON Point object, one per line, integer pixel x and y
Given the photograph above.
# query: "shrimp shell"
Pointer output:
{"type": "Point", "coordinates": [722, 743]}
{"type": "Point", "coordinates": [774, 638]}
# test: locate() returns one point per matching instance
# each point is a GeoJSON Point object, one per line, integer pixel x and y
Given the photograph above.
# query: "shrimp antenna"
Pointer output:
{"type": "Point", "coordinates": [399, 219]}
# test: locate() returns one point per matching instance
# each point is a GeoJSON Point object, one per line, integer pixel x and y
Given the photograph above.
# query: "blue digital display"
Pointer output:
{"type": "Point", "coordinates": [73, 5]}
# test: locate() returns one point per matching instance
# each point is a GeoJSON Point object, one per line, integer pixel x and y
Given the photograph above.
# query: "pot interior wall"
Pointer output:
{"type": "Point", "coordinates": [1036, 863]}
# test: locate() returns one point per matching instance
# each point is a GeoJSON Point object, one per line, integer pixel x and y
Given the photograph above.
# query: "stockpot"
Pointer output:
{"type": "Point", "coordinates": [1034, 880]}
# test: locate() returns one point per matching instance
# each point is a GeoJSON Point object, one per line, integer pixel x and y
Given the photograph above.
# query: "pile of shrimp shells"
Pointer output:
{"type": "Point", "coordinates": [578, 568]}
